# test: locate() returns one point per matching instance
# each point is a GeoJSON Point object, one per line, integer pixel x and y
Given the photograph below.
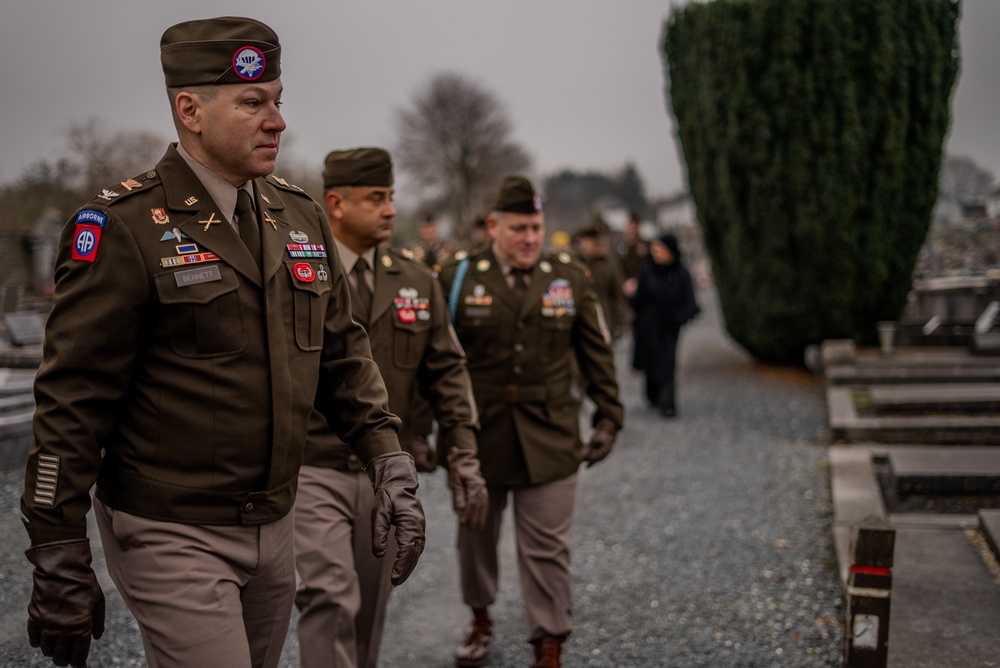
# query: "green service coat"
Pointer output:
{"type": "Point", "coordinates": [184, 389]}
{"type": "Point", "coordinates": [521, 363]}
{"type": "Point", "coordinates": [416, 350]}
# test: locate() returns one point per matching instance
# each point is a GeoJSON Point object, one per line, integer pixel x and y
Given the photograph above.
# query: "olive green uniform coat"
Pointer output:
{"type": "Point", "coordinates": [607, 278]}
{"type": "Point", "coordinates": [415, 347]}
{"type": "Point", "coordinates": [186, 397]}
{"type": "Point", "coordinates": [521, 364]}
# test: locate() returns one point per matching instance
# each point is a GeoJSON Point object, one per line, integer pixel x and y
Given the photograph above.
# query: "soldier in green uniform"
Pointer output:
{"type": "Point", "coordinates": [200, 315]}
{"type": "Point", "coordinates": [343, 589]}
{"type": "Point", "coordinates": [523, 317]}
{"type": "Point", "coordinates": [605, 273]}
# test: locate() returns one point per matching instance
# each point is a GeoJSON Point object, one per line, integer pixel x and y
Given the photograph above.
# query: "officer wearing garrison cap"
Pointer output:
{"type": "Point", "coordinates": [523, 317]}
{"type": "Point", "coordinates": [200, 315]}
{"type": "Point", "coordinates": [343, 590]}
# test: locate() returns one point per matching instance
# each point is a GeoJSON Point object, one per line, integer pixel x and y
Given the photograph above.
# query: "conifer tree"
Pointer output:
{"type": "Point", "coordinates": [812, 132]}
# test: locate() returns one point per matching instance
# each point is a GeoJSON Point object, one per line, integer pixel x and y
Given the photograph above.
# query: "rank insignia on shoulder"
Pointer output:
{"type": "Point", "coordinates": [386, 261]}
{"type": "Point", "coordinates": [461, 255]}
{"type": "Point", "coordinates": [545, 267]}
{"type": "Point", "coordinates": [565, 258]}
{"type": "Point", "coordinates": [108, 194]}
{"type": "Point", "coordinates": [483, 265]}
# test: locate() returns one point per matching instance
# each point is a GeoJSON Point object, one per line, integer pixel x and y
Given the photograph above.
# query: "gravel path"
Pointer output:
{"type": "Point", "coordinates": [702, 541]}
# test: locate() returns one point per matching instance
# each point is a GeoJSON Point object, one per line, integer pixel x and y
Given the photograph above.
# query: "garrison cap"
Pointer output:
{"type": "Point", "coordinates": [223, 50]}
{"type": "Point", "coordinates": [358, 167]}
{"type": "Point", "coordinates": [517, 195]}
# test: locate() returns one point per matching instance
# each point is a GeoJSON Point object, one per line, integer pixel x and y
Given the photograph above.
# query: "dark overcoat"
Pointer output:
{"type": "Point", "coordinates": [663, 302]}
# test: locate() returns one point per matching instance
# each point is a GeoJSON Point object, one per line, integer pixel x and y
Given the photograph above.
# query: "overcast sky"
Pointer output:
{"type": "Point", "coordinates": [582, 80]}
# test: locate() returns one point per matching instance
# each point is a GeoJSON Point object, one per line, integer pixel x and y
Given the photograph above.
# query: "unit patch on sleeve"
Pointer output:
{"type": "Point", "coordinates": [87, 236]}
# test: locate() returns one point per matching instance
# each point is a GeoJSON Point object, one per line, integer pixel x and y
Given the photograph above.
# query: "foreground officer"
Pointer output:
{"type": "Point", "coordinates": [189, 340]}
{"type": "Point", "coordinates": [522, 319]}
{"type": "Point", "coordinates": [343, 591]}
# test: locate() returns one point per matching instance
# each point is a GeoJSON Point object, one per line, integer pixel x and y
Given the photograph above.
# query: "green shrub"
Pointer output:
{"type": "Point", "coordinates": [812, 133]}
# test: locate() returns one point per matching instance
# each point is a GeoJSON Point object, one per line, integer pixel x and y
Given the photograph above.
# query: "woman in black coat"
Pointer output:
{"type": "Point", "coordinates": [663, 301]}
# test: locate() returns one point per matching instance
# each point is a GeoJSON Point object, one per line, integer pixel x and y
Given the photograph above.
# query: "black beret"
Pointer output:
{"type": "Point", "coordinates": [518, 196]}
{"type": "Point", "coordinates": [358, 167]}
{"type": "Point", "coordinates": [223, 50]}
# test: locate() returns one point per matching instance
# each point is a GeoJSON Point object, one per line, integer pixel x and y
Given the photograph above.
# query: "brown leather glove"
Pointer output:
{"type": "Point", "coordinates": [468, 488]}
{"type": "Point", "coordinates": [423, 454]}
{"type": "Point", "coordinates": [394, 478]}
{"type": "Point", "coordinates": [67, 604]}
{"type": "Point", "coordinates": [600, 442]}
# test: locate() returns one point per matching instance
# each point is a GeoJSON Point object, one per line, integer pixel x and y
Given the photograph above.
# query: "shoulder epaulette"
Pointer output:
{"type": "Point", "coordinates": [281, 183]}
{"type": "Point", "coordinates": [123, 189]}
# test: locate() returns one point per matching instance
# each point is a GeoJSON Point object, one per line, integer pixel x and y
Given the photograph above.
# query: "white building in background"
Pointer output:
{"type": "Point", "coordinates": [675, 211]}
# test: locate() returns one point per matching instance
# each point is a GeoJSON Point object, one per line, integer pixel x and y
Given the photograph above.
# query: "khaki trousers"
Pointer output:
{"type": "Point", "coordinates": [343, 589]}
{"type": "Point", "coordinates": [204, 596]}
{"type": "Point", "coordinates": [543, 521]}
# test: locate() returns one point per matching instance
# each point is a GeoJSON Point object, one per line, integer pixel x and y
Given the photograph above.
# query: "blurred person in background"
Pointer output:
{"type": "Point", "coordinates": [663, 300]}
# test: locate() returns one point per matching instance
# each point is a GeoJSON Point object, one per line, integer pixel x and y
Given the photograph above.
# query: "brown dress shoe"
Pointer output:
{"type": "Point", "coordinates": [548, 651]}
{"type": "Point", "coordinates": [472, 652]}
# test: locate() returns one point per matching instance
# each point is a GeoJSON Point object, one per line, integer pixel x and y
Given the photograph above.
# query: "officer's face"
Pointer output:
{"type": "Point", "coordinates": [517, 237]}
{"type": "Point", "coordinates": [363, 216]}
{"type": "Point", "coordinates": [237, 130]}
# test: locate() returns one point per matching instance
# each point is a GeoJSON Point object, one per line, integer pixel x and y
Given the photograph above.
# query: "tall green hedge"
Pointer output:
{"type": "Point", "coordinates": [812, 132]}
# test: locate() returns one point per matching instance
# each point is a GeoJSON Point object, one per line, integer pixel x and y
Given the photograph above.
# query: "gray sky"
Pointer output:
{"type": "Point", "coordinates": [582, 80]}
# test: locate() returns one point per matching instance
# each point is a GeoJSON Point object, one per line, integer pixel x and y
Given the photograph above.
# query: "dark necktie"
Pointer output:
{"type": "Point", "coordinates": [362, 293]}
{"type": "Point", "coordinates": [247, 221]}
{"type": "Point", "coordinates": [520, 288]}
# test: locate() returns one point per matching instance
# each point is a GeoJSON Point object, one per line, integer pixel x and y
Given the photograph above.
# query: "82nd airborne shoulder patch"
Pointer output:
{"type": "Point", "coordinates": [87, 236]}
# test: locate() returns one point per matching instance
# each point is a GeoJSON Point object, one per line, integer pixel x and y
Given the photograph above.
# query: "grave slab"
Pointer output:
{"type": "Point", "coordinates": [940, 397]}
{"type": "Point", "coordinates": [921, 470]}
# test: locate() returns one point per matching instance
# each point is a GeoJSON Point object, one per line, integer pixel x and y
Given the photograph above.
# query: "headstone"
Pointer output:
{"type": "Point", "coordinates": [24, 328]}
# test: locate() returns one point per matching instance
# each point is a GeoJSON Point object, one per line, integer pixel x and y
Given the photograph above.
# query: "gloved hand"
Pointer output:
{"type": "Point", "coordinates": [468, 489]}
{"type": "Point", "coordinates": [423, 454]}
{"type": "Point", "coordinates": [394, 478]}
{"type": "Point", "coordinates": [67, 604]}
{"type": "Point", "coordinates": [600, 442]}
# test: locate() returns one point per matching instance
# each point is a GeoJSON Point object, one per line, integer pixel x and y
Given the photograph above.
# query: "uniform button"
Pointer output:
{"type": "Point", "coordinates": [248, 507]}
{"type": "Point", "coordinates": [517, 370]}
{"type": "Point", "coordinates": [518, 347]}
